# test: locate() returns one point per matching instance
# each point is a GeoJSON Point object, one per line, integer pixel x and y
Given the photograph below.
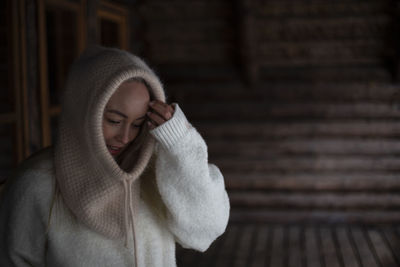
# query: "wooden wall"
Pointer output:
{"type": "Point", "coordinates": [295, 99]}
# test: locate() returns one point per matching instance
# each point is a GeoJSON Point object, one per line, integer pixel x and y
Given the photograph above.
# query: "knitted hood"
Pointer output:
{"type": "Point", "coordinates": [93, 186]}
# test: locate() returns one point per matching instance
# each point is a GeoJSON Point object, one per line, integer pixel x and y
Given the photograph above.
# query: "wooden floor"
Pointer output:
{"type": "Point", "coordinates": [252, 245]}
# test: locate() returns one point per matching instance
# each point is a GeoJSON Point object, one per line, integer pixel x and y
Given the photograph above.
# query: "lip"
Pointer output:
{"type": "Point", "coordinates": [114, 150]}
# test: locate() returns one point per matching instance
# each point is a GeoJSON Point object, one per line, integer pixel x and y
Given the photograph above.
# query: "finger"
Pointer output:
{"type": "Point", "coordinates": [162, 109]}
{"type": "Point", "coordinates": [155, 118]}
{"type": "Point", "coordinates": [151, 125]}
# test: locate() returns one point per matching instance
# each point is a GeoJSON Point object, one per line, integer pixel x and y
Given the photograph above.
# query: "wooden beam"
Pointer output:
{"type": "Point", "coordinates": [91, 26]}
{"type": "Point", "coordinates": [16, 79]}
{"type": "Point", "coordinates": [33, 108]}
{"type": "Point", "coordinates": [43, 75]}
{"type": "Point", "coordinates": [396, 37]}
{"type": "Point", "coordinates": [119, 15]}
{"type": "Point", "coordinates": [247, 41]}
{"type": "Point", "coordinates": [23, 115]}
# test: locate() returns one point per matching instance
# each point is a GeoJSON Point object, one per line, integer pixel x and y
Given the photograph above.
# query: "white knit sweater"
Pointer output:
{"type": "Point", "coordinates": [196, 210]}
{"type": "Point", "coordinates": [103, 215]}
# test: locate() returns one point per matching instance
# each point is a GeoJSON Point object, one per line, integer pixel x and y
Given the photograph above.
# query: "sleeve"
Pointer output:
{"type": "Point", "coordinates": [22, 222]}
{"type": "Point", "coordinates": [192, 190]}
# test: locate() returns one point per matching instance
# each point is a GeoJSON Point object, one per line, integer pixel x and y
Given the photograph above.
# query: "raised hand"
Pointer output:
{"type": "Point", "coordinates": [159, 112]}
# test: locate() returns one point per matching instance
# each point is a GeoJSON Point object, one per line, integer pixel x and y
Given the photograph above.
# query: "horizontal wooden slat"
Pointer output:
{"type": "Point", "coordinates": [363, 247]}
{"type": "Point", "coordinates": [304, 29]}
{"type": "Point", "coordinates": [167, 11]}
{"type": "Point", "coordinates": [273, 9]}
{"type": "Point", "coordinates": [311, 163]}
{"type": "Point", "coordinates": [209, 72]}
{"type": "Point", "coordinates": [302, 147]}
{"type": "Point", "coordinates": [297, 245]}
{"type": "Point", "coordinates": [297, 181]}
{"type": "Point", "coordinates": [297, 111]}
{"type": "Point", "coordinates": [328, 53]}
{"type": "Point", "coordinates": [379, 244]}
{"type": "Point", "coordinates": [289, 91]}
{"type": "Point", "coordinates": [347, 250]}
{"type": "Point", "coordinates": [199, 31]}
{"type": "Point", "coordinates": [328, 73]}
{"type": "Point", "coordinates": [197, 52]}
{"type": "Point", "coordinates": [314, 216]}
{"type": "Point", "coordinates": [309, 201]}
{"type": "Point", "coordinates": [260, 130]}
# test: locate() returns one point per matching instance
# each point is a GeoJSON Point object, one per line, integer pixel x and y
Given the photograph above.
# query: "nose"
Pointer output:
{"type": "Point", "coordinates": [123, 135]}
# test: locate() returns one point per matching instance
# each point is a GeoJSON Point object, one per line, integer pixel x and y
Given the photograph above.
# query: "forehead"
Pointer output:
{"type": "Point", "coordinates": [131, 98]}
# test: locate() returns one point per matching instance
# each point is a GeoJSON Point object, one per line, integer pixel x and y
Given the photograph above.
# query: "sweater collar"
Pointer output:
{"type": "Point", "coordinates": [97, 191]}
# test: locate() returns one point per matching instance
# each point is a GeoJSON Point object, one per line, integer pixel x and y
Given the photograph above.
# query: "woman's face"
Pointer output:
{"type": "Point", "coordinates": [124, 114]}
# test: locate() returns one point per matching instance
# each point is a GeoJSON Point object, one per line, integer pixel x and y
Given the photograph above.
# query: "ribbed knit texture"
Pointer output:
{"type": "Point", "coordinates": [171, 131]}
{"type": "Point", "coordinates": [97, 191]}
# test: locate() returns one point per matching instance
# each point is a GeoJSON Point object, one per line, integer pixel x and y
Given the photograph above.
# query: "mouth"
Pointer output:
{"type": "Point", "coordinates": [114, 150]}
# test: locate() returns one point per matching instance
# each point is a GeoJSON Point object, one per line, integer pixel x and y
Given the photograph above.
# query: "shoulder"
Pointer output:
{"type": "Point", "coordinates": [33, 180]}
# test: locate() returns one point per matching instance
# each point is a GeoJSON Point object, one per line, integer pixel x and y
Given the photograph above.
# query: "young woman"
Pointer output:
{"type": "Point", "coordinates": [127, 178]}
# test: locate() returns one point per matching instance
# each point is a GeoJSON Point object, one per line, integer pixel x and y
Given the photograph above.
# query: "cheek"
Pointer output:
{"type": "Point", "coordinates": [134, 133]}
{"type": "Point", "coordinates": [108, 132]}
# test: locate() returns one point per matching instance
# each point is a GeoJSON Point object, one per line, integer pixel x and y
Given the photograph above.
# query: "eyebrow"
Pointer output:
{"type": "Point", "coordinates": [122, 114]}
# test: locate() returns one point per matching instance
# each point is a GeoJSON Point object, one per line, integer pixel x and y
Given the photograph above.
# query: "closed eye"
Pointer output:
{"type": "Point", "coordinates": [113, 121]}
{"type": "Point", "coordinates": [137, 125]}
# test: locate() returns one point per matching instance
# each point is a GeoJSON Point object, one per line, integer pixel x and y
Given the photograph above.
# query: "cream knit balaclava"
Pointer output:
{"type": "Point", "coordinates": [93, 186]}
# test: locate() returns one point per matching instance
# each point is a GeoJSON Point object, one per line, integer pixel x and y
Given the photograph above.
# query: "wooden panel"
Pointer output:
{"type": "Point", "coordinates": [347, 131]}
{"type": "Point", "coordinates": [286, 92]}
{"type": "Point", "coordinates": [320, 245]}
{"type": "Point", "coordinates": [312, 248]}
{"type": "Point", "coordinates": [189, 32]}
{"type": "Point", "coordinates": [326, 73]}
{"type": "Point", "coordinates": [7, 98]}
{"type": "Point", "coordinates": [298, 181]}
{"type": "Point", "coordinates": [320, 9]}
{"type": "Point", "coordinates": [393, 241]}
{"type": "Point", "coordinates": [347, 250]}
{"type": "Point", "coordinates": [197, 52]}
{"type": "Point", "coordinates": [290, 111]}
{"type": "Point", "coordinates": [324, 200]}
{"type": "Point", "coordinates": [320, 53]}
{"type": "Point", "coordinates": [43, 75]}
{"type": "Point", "coordinates": [331, 257]}
{"type": "Point", "coordinates": [278, 248]}
{"type": "Point", "coordinates": [242, 256]}
{"type": "Point", "coordinates": [296, 29]}
{"type": "Point", "coordinates": [262, 247]}
{"type": "Point", "coordinates": [384, 254]}
{"type": "Point", "coordinates": [313, 216]}
{"type": "Point", "coordinates": [305, 146]}
{"type": "Point", "coordinates": [113, 25]}
{"type": "Point", "coordinates": [296, 247]}
{"type": "Point", "coordinates": [224, 257]}
{"type": "Point", "coordinates": [7, 147]}
{"type": "Point", "coordinates": [312, 163]}
{"type": "Point", "coordinates": [181, 10]}
{"type": "Point", "coordinates": [192, 32]}
{"type": "Point", "coordinates": [364, 248]}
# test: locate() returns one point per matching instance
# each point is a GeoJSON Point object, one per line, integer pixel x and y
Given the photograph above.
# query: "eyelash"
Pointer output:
{"type": "Point", "coordinates": [118, 122]}
{"type": "Point", "coordinates": [113, 122]}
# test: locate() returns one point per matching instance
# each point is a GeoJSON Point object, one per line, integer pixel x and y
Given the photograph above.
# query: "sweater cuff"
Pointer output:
{"type": "Point", "coordinates": [172, 130]}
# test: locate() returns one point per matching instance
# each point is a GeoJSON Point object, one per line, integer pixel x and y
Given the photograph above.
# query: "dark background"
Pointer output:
{"type": "Point", "coordinates": [297, 100]}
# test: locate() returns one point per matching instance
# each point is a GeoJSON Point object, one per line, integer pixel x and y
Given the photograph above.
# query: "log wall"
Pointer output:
{"type": "Point", "coordinates": [294, 98]}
